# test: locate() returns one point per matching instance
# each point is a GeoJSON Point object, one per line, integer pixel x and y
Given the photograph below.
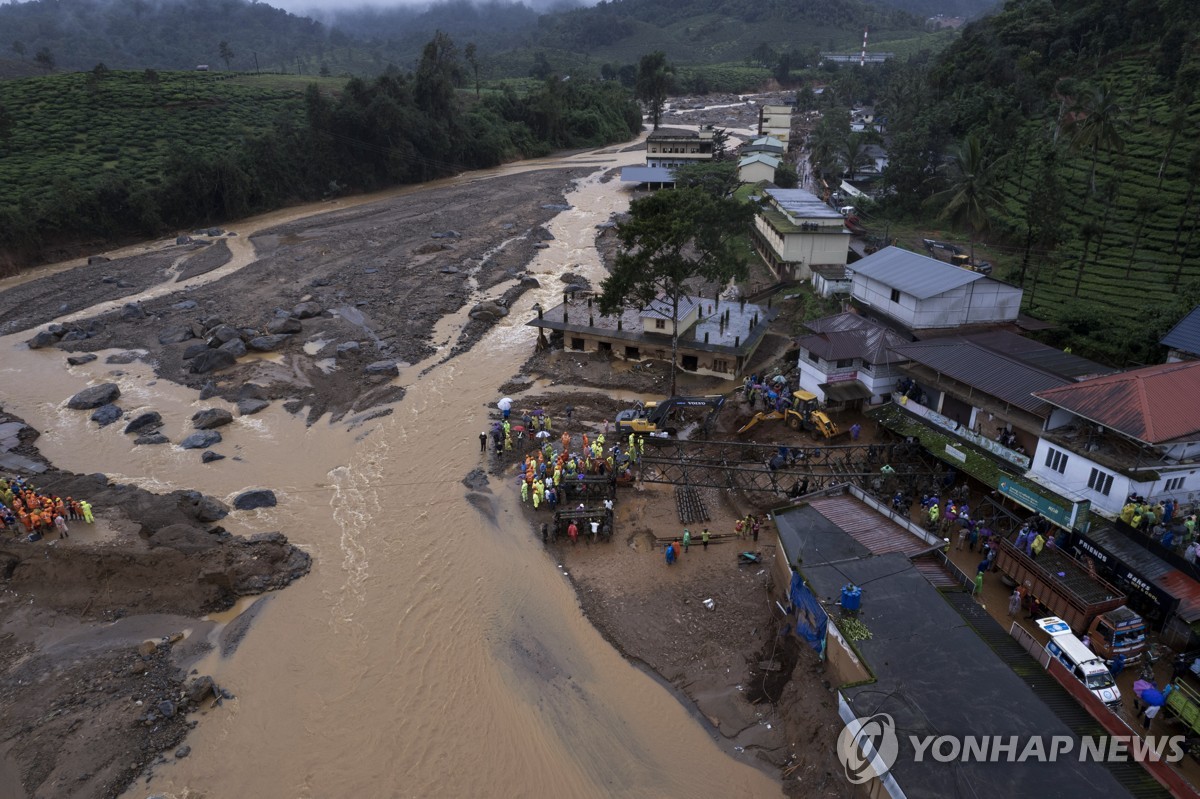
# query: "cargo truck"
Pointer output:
{"type": "Point", "coordinates": [1078, 596]}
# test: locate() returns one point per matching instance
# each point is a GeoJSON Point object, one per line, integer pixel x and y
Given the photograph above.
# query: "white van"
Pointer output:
{"type": "Point", "coordinates": [1087, 667]}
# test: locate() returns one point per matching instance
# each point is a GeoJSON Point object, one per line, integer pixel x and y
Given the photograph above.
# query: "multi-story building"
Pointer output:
{"type": "Point", "coordinates": [794, 231]}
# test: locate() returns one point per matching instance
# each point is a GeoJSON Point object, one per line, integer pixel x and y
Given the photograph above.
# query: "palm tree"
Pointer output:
{"type": "Point", "coordinates": [971, 193]}
{"type": "Point", "coordinates": [853, 154]}
{"type": "Point", "coordinates": [1096, 125]}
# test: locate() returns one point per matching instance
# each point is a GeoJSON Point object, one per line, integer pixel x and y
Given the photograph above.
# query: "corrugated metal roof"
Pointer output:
{"type": "Point", "coordinates": [1185, 335]}
{"type": "Point", "coordinates": [1154, 404]}
{"type": "Point", "coordinates": [1039, 355]}
{"type": "Point", "coordinates": [801, 204]}
{"type": "Point", "coordinates": [762, 158]}
{"type": "Point", "coordinates": [768, 141]}
{"type": "Point", "coordinates": [1153, 568]}
{"type": "Point", "coordinates": [874, 531]}
{"type": "Point", "coordinates": [919, 275]}
{"type": "Point", "coordinates": [849, 335]}
{"type": "Point", "coordinates": [969, 363]}
{"type": "Point", "coordinates": [647, 174]}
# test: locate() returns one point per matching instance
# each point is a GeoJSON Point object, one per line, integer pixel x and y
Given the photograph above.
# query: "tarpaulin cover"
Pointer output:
{"type": "Point", "coordinates": [811, 619]}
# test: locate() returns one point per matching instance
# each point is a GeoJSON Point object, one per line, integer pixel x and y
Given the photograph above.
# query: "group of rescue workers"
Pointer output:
{"type": "Point", "coordinates": [26, 510]}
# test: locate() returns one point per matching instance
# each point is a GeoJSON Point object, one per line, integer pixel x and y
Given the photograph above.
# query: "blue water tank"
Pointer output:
{"type": "Point", "coordinates": [851, 597]}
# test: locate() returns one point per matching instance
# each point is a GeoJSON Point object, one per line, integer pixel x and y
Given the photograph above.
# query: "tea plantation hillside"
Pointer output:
{"type": "Point", "coordinates": [78, 132]}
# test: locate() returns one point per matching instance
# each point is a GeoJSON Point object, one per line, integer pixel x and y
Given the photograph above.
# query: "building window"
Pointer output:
{"type": "Point", "coordinates": [720, 365]}
{"type": "Point", "coordinates": [866, 367]}
{"type": "Point", "coordinates": [1056, 460]}
{"type": "Point", "coordinates": [845, 363]}
{"type": "Point", "coordinates": [895, 295]}
{"type": "Point", "coordinates": [1100, 482]}
{"type": "Point", "coordinates": [576, 343]}
{"type": "Point", "coordinates": [660, 324]}
{"type": "Point", "coordinates": [1174, 484]}
{"type": "Point", "coordinates": [812, 356]}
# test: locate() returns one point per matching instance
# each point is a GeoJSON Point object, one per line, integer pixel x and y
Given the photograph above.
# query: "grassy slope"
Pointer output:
{"type": "Point", "coordinates": [65, 129]}
{"type": "Point", "coordinates": [1151, 279]}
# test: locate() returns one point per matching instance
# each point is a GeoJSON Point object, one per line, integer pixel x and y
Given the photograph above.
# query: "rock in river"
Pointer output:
{"type": "Point", "coordinates": [144, 421]}
{"type": "Point", "coordinates": [201, 440]}
{"type": "Point", "coordinates": [151, 438]}
{"type": "Point", "coordinates": [256, 498]}
{"type": "Point", "coordinates": [390, 368]}
{"type": "Point", "coordinates": [208, 456]}
{"type": "Point", "coordinates": [94, 397]}
{"type": "Point", "coordinates": [250, 406]}
{"type": "Point", "coordinates": [209, 418]}
{"type": "Point", "coordinates": [106, 415]}
{"type": "Point", "coordinates": [80, 360]}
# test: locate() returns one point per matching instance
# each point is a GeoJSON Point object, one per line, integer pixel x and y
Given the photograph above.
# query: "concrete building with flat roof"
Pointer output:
{"type": "Point", "coordinates": [794, 231]}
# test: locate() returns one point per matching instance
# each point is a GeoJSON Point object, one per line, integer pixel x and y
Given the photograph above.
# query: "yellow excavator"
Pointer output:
{"type": "Point", "coordinates": [803, 415]}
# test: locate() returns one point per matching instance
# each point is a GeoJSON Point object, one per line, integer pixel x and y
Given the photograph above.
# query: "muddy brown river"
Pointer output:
{"type": "Point", "coordinates": [435, 649]}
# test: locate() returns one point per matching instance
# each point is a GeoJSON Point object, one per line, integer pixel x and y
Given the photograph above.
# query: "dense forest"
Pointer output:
{"type": "Point", "coordinates": [1061, 133]}
{"type": "Point", "coordinates": [108, 154]}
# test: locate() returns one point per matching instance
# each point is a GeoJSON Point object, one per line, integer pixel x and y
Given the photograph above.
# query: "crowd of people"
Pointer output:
{"type": "Point", "coordinates": [1165, 522]}
{"type": "Point", "coordinates": [567, 472]}
{"type": "Point", "coordinates": [28, 511]}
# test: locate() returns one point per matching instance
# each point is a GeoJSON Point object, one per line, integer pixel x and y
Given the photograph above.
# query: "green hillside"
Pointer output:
{"type": "Point", "coordinates": [1085, 116]}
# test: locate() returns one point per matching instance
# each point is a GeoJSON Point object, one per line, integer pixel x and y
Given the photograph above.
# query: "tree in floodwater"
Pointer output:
{"type": "Point", "coordinates": [672, 236]}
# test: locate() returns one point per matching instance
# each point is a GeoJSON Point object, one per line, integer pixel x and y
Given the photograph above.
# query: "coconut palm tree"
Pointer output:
{"type": "Point", "coordinates": [1096, 124]}
{"type": "Point", "coordinates": [971, 193]}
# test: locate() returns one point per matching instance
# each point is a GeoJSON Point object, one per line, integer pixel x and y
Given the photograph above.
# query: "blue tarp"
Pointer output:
{"type": "Point", "coordinates": [811, 619]}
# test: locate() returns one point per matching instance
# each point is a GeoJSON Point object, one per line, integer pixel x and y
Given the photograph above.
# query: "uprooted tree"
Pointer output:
{"type": "Point", "coordinates": [670, 237]}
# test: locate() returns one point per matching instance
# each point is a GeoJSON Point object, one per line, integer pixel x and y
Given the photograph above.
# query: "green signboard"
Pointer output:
{"type": "Point", "coordinates": [1075, 515]}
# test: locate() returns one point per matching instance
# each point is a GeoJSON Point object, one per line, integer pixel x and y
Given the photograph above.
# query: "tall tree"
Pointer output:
{"type": "Point", "coordinates": [654, 79]}
{"type": "Point", "coordinates": [1096, 125]}
{"type": "Point", "coordinates": [853, 154]}
{"type": "Point", "coordinates": [971, 194]}
{"type": "Point", "coordinates": [226, 53]}
{"type": "Point", "coordinates": [472, 56]}
{"type": "Point", "coordinates": [670, 237]}
{"type": "Point", "coordinates": [437, 75]}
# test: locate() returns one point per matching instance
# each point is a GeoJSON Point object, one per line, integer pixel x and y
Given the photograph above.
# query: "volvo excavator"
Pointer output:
{"type": "Point", "coordinates": [803, 415]}
{"type": "Point", "coordinates": [653, 416]}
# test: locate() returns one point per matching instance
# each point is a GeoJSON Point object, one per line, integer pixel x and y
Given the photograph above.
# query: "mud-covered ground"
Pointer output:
{"type": "Point", "coordinates": [373, 281]}
{"type": "Point", "coordinates": [94, 682]}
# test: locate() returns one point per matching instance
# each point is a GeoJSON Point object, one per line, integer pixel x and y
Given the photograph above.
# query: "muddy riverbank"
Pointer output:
{"type": "Point", "coordinates": [99, 629]}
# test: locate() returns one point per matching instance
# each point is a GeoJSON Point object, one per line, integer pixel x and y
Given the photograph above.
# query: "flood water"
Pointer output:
{"type": "Point", "coordinates": [431, 651]}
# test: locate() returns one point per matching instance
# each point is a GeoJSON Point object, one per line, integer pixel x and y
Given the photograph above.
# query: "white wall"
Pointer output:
{"type": "Point", "coordinates": [880, 380]}
{"type": "Point", "coordinates": [975, 303]}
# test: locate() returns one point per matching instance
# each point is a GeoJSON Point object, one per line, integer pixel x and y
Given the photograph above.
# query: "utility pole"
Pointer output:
{"type": "Point", "coordinates": [255, 62]}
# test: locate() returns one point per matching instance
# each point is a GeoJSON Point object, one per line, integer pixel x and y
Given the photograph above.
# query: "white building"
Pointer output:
{"type": "Point", "coordinates": [849, 358]}
{"type": "Point", "coordinates": [757, 167]}
{"type": "Point", "coordinates": [1135, 432]}
{"type": "Point", "coordinates": [794, 231]}
{"type": "Point", "coordinates": [924, 294]}
{"type": "Point", "coordinates": [776, 121]}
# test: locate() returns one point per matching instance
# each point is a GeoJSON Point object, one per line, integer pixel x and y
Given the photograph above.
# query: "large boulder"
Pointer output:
{"type": "Point", "coordinates": [212, 361]}
{"type": "Point", "coordinates": [250, 406]}
{"type": "Point", "coordinates": [201, 440]}
{"type": "Point", "coordinates": [256, 498]}
{"type": "Point", "coordinates": [221, 334]}
{"type": "Point", "coordinates": [286, 324]}
{"type": "Point", "coordinates": [347, 348]}
{"type": "Point", "coordinates": [389, 368]}
{"type": "Point", "coordinates": [208, 391]}
{"type": "Point", "coordinates": [267, 343]}
{"type": "Point", "coordinates": [106, 415]}
{"type": "Point", "coordinates": [94, 397]}
{"type": "Point", "coordinates": [235, 347]}
{"type": "Point", "coordinates": [80, 360]}
{"type": "Point", "coordinates": [306, 310]}
{"type": "Point", "coordinates": [209, 418]}
{"type": "Point", "coordinates": [132, 310]}
{"type": "Point", "coordinates": [192, 350]}
{"type": "Point", "coordinates": [208, 456]}
{"type": "Point", "coordinates": [144, 421]}
{"type": "Point", "coordinates": [210, 510]}
{"type": "Point", "coordinates": [176, 334]}
{"type": "Point", "coordinates": [488, 311]}
{"type": "Point", "coordinates": [43, 339]}
{"type": "Point", "coordinates": [149, 439]}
